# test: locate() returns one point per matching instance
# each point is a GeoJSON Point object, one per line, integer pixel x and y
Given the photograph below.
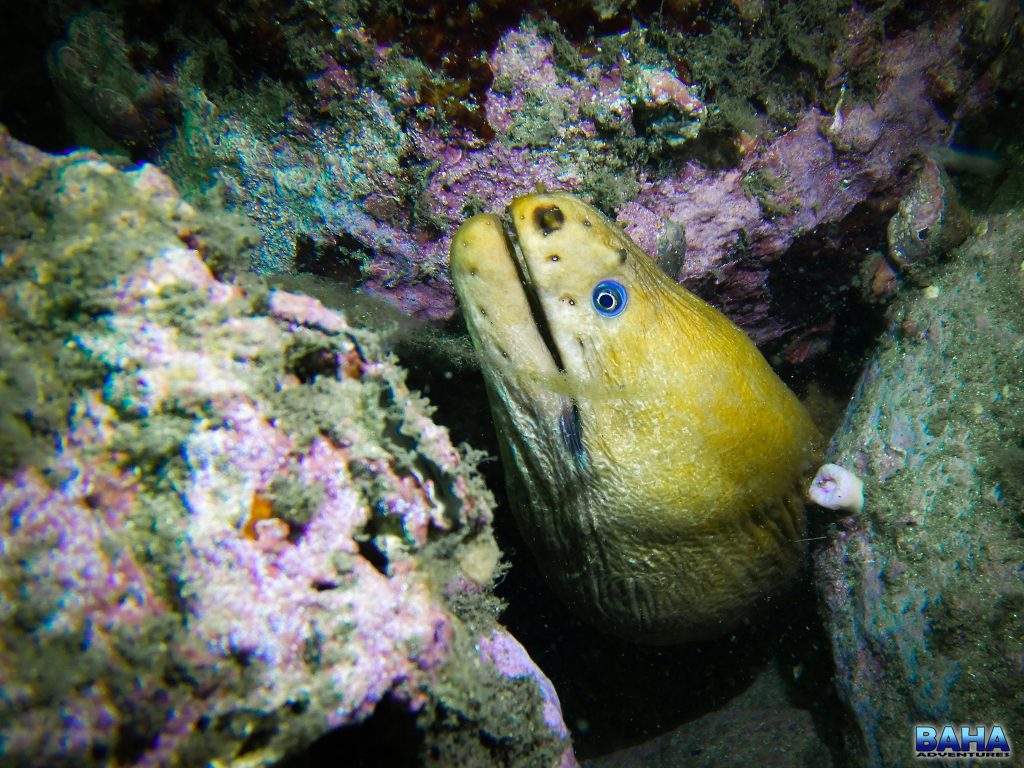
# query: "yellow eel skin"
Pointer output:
{"type": "Point", "coordinates": [654, 460]}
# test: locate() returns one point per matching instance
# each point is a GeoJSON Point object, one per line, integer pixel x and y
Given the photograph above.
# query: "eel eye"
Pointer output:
{"type": "Point", "coordinates": [609, 298]}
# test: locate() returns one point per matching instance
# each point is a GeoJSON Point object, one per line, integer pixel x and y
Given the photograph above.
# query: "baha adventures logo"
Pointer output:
{"type": "Point", "coordinates": [957, 742]}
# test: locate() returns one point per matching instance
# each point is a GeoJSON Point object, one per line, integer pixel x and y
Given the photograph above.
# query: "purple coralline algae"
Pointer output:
{"type": "Point", "coordinates": [228, 527]}
{"type": "Point", "coordinates": [511, 660]}
{"type": "Point", "coordinates": [923, 589]}
{"type": "Point", "coordinates": [383, 184]}
{"type": "Point", "coordinates": [813, 175]}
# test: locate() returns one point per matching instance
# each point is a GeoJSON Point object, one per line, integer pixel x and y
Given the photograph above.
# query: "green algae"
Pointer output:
{"type": "Point", "coordinates": [757, 69]}
{"type": "Point", "coordinates": [57, 287]}
{"type": "Point", "coordinates": [509, 709]}
{"type": "Point", "coordinates": [766, 188]}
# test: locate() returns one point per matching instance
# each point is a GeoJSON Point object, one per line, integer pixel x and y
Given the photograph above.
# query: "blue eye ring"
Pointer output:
{"type": "Point", "coordinates": [609, 298]}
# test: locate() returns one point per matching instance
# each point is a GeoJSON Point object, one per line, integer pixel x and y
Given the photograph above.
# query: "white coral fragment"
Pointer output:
{"type": "Point", "coordinates": [837, 488]}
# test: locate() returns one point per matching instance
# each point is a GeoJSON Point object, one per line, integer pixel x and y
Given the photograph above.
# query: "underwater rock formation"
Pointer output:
{"type": "Point", "coordinates": [741, 221]}
{"type": "Point", "coordinates": [923, 589]}
{"type": "Point", "coordinates": [758, 727]}
{"type": "Point", "coordinates": [103, 94]}
{"type": "Point", "coordinates": [360, 147]}
{"type": "Point", "coordinates": [228, 526]}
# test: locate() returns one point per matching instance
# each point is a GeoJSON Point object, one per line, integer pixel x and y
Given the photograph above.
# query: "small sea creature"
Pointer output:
{"type": "Point", "coordinates": [259, 510]}
{"type": "Point", "coordinates": [929, 222]}
{"type": "Point", "coordinates": [835, 487]}
{"type": "Point", "coordinates": [655, 462]}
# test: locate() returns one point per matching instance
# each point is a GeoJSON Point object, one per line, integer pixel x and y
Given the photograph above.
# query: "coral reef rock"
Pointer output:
{"type": "Point", "coordinates": [924, 590]}
{"type": "Point", "coordinates": [228, 527]}
{"type": "Point", "coordinates": [358, 137]}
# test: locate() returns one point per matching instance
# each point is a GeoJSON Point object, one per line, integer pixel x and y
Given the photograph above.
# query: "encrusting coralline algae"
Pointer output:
{"type": "Point", "coordinates": [358, 155]}
{"type": "Point", "coordinates": [228, 526]}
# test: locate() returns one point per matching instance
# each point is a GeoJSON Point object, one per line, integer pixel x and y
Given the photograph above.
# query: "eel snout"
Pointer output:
{"type": "Point", "coordinates": [502, 316]}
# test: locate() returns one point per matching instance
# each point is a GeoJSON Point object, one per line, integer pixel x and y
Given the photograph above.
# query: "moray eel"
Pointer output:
{"type": "Point", "coordinates": [655, 462]}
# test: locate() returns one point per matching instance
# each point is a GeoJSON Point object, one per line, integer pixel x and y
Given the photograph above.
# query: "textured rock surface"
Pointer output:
{"type": "Point", "coordinates": [228, 527]}
{"type": "Point", "coordinates": [924, 590]}
{"type": "Point", "coordinates": [758, 727]}
{"type": "Point", "coordinates": [357, 137]}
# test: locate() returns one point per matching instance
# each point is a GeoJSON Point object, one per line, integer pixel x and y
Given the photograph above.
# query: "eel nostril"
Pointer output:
{"type": "Point", "coordinates": [549, 219]}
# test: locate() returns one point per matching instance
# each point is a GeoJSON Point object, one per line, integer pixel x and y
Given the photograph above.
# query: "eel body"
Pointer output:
{"type": "Point", "coordinates": [654, 460]}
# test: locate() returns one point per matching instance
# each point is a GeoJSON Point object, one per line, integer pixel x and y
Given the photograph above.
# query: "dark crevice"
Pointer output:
{"type": "Point", "coordinates": [389, 737]}
{"type": "Point", "coordinates": [29, 106]}
{"type": "Point", "coordinates": [373, 555]}
{"type": "Point", "coordinates": [339, 261]}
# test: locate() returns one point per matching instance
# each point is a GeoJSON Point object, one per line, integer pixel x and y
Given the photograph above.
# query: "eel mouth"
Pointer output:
{"type": "Point", "coordinates": [533, 302]}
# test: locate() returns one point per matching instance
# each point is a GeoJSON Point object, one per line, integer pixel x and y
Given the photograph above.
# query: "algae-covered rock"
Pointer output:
{"type": "Point", "coordinates": [924, 590]}
{"type": "Point", "coordinates": [228, 527]}
{"type": "Point", "coordinates": [357, 136]}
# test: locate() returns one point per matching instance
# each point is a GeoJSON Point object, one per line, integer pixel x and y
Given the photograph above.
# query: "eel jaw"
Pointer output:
{"type": "Point", "coordinates": [525, 382]}
{"type": "Point", "coordinates": [570, 426]}
{"type": "Point", "coordinates": [540, 318]}
{"type": "Point", "coordinates": [495, 298]}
